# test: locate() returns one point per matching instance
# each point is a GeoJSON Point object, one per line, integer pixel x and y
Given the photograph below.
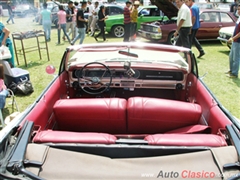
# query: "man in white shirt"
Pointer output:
{"type": "Point", "coordinates": [95, 18]}
{"type": "Point", "coordinates": [184, 24]}
{"type": "Point", "coordinates": [90, 14]}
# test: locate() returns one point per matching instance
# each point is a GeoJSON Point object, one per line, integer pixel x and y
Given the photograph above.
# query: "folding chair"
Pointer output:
{"type": "Point", "coordinates": [3, 95]}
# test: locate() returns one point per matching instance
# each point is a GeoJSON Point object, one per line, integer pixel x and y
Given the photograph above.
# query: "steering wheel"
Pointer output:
{"type": "Point", "coordinates": [94, 85]}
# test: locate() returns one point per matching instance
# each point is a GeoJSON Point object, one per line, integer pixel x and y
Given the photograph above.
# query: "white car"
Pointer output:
{"type": "Point", "coordinates": [23, 10]}
{"type": "Point", "coordinates": [224, 34]}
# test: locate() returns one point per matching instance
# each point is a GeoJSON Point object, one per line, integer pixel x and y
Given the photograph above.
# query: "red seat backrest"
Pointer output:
{"type": "Point", "coordinates": [153, 115]}
{"type": "Point", "coordinates": [106, 115]}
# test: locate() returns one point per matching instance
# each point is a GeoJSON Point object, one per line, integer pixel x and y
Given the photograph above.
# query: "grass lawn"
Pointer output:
{"type": "Point", "coordinates": [212, 66]}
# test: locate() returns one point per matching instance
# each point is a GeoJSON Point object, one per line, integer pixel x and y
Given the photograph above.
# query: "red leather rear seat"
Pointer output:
{"type": "Point", "coordinates": [210, 140]}
{"type": "Point", "coordinates": [152, 115]}
{"type": "Point", "coordinates": [106, 115]}
{"type": "Point", "coordinates": [73, 137]}
{"type": "Point", "coordinates": [138, 116]}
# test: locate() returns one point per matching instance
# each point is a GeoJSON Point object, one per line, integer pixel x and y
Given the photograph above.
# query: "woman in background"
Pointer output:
{"type": "Point", "coordinates": [6, 41]}
{"type": "Point", "coordinates": [101, 23]}
{"type": "Point", "coordinates": [62, 24]}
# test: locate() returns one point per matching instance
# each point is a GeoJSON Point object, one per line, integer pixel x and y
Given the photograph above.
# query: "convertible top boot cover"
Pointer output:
{"type": "Point", "coordinates": [62, 164]}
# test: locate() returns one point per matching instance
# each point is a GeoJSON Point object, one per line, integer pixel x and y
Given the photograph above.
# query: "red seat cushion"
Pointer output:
{"type": "Point", "coordinates": [152, 115]}
{"type": "Point", "coordinates": [106, 115]}
{"type": "Point", "coordinates": [210, 140]}
{"type": "Point", "coordinates": [73, 137]}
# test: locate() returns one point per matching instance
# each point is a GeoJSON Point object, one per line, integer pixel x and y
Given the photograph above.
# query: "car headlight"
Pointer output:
{"type": "Point", "coordinates": [156, 29]}
{"type": "Point", "coordinates": [221, 34]}
{"type": "Point", "coordinates": [224, 36]}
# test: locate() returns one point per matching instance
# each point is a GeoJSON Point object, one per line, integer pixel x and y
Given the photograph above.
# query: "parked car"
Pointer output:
{"type": "Point", "coordinates": [115, 26]}
{"type": "Point", "coordinates": [223, 6]}
{"type": "Point", "coordinates": [113, 9]}
{"type": "Point", "coordinates": [163, 31]}
{"type": "Point", "coordinates": [4, 5]}
{"type": "Point", "coordinates": [123, 111]}
{"type": "Point", "coordinates": [23, 10]}
{"type": "Point", "coordinates": [224, 34]}
{"type": "Point", "coordinates": [205, 5]}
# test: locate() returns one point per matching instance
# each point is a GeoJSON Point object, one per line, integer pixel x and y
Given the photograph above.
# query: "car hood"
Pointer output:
{"type": "Point", "coordinates": [227, 30]}
{"type": "Point", "coordinates": [169, 9]}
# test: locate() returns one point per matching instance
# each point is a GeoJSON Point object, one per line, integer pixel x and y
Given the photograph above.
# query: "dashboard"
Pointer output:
{"type": "Point", "coordinates": [138, 74]}
{"type": "Point", "coordinates": [138, 78]}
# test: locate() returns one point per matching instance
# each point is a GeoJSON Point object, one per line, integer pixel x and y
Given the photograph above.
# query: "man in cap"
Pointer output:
{"type": "Point", "coordinates": [134, 18]}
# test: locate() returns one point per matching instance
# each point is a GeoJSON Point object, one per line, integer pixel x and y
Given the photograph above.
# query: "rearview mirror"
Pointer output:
{"type": "Point", "coordinates": [128, 54]}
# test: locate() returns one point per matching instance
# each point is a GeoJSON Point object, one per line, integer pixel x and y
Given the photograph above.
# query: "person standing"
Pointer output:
{"type": "Point", "coordinates": [195, 26]}
{"type": "Point", "coordinates": [6, 41]}
{"type": "Point", "coordinates": [127, 21]}
{"type": "Point", "coordinates": [234, 56]}
{"type": "Point", "coordinates": [76, 4]}
{"type": "Point", "coordinates": [90, 15]}
{"type": "Point", "coordinates": [134, 18]}
{"type": "Point", "coordinates": [184, 24]}
{"type": "Point", "coordinates": [69, 19]}
{"type": "Point", "coordinates": [101, 23]}
{"type": "Point", "coordinates": [46, 18]}
{"type": "Point", "coordinates": [10, 12]}
{"type": "Point", "coordinates": [81, 24]}
{"type": "Point", "coordinates": [62, 24]}
{"type": "Point", "coordinates": [233, 6]}
{"type": "Point", "coordinates": [95, 18]}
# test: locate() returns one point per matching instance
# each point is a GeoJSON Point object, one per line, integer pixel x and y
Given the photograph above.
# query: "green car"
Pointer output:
{"type": "Point", "coordinates": [115, 26]}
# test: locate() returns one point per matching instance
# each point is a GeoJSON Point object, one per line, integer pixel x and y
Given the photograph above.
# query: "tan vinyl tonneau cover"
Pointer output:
{"type": "Point", "coordinates": [68, 165]}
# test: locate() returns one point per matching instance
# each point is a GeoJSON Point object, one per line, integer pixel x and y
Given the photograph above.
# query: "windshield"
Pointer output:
{"type": "Point", "coordinates": [122, 54]}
